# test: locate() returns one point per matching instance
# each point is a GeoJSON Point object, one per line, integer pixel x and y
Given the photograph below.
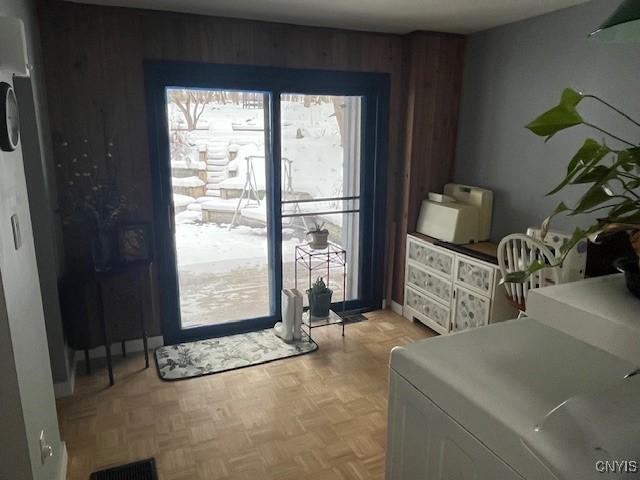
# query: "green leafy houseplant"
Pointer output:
{"type": "Point", "coordinates": [319, 298]}
{"type": "Point", "coordinates": [611, 177]}
{"type": "Point", "coordinates": [317, 227]}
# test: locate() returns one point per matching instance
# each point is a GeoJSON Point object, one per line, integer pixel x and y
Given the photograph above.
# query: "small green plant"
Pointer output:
{"type": "Point", "coordinates": [319, 287]}
{"type": "Point", "coordinates": [611, 176]}
{"type": "Point", "coordinates": [319, 298]}
{"type": "Point", "coordinates": [317, 228]}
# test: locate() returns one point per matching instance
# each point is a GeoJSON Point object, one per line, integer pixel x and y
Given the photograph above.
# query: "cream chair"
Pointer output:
{"type": "Point", "coordinates": [515, 253]}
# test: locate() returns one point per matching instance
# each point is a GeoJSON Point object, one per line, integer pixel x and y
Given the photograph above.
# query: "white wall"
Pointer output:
{"type": "Point", "coordinates": [25, 376]}
{"type": "Point", "coordinates": [515, 72]}
{"type": "Point", "coordinates": [38, 161]}
{"type": "Point", "coordinates": [27, 403]}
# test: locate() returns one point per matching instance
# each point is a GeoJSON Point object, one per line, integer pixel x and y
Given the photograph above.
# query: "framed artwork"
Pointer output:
{"type": "Point", "coordinates": [133, 242]}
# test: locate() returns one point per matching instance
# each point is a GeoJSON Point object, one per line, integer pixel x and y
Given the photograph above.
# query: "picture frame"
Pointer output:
{"type": "Point", "coordinates": [134, 242]}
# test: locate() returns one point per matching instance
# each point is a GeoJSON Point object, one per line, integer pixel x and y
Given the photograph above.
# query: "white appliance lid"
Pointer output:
{"type": "Point", "coordinates": [584, 436]}
{"type": "Point", "coordinates": [500, 381]}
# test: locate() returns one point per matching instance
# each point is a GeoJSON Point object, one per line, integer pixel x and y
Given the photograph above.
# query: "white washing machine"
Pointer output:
{"type": "Point", "coordinates": [512, 400]}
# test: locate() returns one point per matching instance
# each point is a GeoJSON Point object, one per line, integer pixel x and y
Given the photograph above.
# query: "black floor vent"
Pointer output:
{"type": "Point", "coordinates": [143, 470]}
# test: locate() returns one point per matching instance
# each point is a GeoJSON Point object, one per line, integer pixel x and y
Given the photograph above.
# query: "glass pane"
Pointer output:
{"type": "Point", "coordinates": [321, 157]}
{"type": "Point", "coordinates": [321, 137]}
{"type": "Point", "coordinates": [218, 162]}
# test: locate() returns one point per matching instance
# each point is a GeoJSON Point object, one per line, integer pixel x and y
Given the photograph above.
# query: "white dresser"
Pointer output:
{"type": "Point", "coordinates": [449, 290]}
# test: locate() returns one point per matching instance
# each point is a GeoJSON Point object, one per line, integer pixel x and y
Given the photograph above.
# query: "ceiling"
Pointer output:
{"type": "Point", "coordinates": [393, 16]}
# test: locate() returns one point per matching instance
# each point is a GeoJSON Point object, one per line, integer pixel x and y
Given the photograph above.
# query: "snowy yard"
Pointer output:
{"type": "Point", "coordinates": [223, 272]}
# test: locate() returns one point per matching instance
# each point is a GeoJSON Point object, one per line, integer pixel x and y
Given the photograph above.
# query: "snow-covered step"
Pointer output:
{"type": "Point", "coordinates": [218, 162]}
{"type": "Point", "coordinates": [215, 169]}
{"type": "Point", "coordinates": [219, 155]}
{"type": "Point", "coordinates": [217, 151]}
{"type": "Point", "coordinates": [219, 143]}
{"type": "Point", "coordinates": [186, 182]}
{"type": "Point", "coordinates": [246, 140]}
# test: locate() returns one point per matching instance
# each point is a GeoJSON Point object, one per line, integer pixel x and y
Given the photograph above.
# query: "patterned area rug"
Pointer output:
{"type": "Point", "coordinates": [204, 357]}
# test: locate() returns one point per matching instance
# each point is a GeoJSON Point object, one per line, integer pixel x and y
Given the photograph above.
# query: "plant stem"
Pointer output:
{"type": "Point", "coordinates": [617, 110]}
{"type": "Point", "coordinates": [601, 208]}
{"type": "Point", "coordinates": [609, 133]}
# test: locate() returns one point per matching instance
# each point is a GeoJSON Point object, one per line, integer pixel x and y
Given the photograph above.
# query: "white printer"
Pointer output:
{"type": "Point", "coordinates": [461, 215]}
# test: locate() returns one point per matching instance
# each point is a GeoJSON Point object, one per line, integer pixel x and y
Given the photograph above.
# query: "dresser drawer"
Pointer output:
{"type": "Point", "coordinates": [470, 310]}
{"type": "Point", "coordinates": [428, 307]}
{"type": "Point", "coordinates": [431, 257]}
{"type": "Point", "coordinates": [474, 275]}
{"type": "Point", "coordinates": [422, 280]}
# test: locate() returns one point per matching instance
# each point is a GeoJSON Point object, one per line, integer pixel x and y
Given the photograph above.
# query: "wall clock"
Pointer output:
{"type": "Point", "coordinates": [9, 119]}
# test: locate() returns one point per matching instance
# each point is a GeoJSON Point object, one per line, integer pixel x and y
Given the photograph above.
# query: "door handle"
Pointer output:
{"type": "Point", "coordinates": [170, 219]}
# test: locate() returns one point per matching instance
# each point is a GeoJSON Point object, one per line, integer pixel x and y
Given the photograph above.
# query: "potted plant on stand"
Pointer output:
{"type": "Point", "coordinates": [92, 201]}
{"type": "Point", "coordinates": [319, 299]}
{"type": "Point", "coordinates": [610, 176]}
{"type": "Point", "coordinates": [319, 236]}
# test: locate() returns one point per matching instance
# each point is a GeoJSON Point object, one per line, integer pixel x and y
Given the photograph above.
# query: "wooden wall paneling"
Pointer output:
{"type": "Point", "coordinates": [433, 73]}
{"type": "Point", "coordinates": [94, 73]}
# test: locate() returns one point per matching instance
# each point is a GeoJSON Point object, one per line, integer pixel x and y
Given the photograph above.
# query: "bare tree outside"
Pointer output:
{"type": "Point", "coordinates": [192, 103]}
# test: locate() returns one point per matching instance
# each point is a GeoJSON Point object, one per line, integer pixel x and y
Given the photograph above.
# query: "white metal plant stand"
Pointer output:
{"type": "Point", "coordinates": [320, 262]}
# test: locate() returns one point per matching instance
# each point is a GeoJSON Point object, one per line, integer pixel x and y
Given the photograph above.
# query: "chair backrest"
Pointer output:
{"type": "Point", "coordinates": [515, 253]}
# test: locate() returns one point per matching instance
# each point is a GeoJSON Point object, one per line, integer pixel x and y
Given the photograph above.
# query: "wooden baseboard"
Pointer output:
{"type": "Point", "coordinates": [396, 307]}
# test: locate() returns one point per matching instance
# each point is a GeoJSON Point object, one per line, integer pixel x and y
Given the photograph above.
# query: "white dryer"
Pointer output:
{"type": "Point", "coordinates": [497, 403]}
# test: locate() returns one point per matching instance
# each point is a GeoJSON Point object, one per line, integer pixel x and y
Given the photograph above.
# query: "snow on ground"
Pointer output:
{"type": "Point", "coordinates": [186, 182]}
{"type": "Point", "coordinates": [215, 248]}
{"type": "Point", "coordinates": [317, 157]}
{"type": "Point", "coordinates": [219, 204]}
{"type": "Point", "coordinates": [180, 200]}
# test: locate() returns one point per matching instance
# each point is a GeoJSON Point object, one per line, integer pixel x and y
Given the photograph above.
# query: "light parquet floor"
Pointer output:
{"type": "Point", "coordinates": [314, 417]}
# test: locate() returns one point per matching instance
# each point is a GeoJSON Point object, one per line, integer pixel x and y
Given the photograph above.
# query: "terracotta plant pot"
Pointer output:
{"type": "Point", "coordinates": [319, 240]}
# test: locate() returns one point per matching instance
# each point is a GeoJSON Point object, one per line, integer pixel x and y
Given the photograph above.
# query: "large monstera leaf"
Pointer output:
{"type": "Point", "coordinates": [611, 178]}
{"type": "Point", "coordinates": [562, 116]}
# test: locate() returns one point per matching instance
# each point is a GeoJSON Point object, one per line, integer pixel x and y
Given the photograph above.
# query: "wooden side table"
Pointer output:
{"type": "Point", "coordinates": [144, 272]}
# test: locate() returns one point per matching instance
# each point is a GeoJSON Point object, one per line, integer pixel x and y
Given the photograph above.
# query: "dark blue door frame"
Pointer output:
{"type": "Point", "coordinates": [374, 90]}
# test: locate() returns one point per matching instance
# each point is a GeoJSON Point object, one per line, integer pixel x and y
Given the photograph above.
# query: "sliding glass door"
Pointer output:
{"type": "Point", "coordinates": [245, 160]}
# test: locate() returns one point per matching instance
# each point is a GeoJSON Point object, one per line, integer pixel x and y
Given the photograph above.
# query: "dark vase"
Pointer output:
{"type": "Point", "coordinates": [631, 269]}
{"type": "Point", "coordinates": [319, 304]}
{"type": "Point", "coordinates": [102, 250]}
{"type": "Point", "coordinates": [602, 255]}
